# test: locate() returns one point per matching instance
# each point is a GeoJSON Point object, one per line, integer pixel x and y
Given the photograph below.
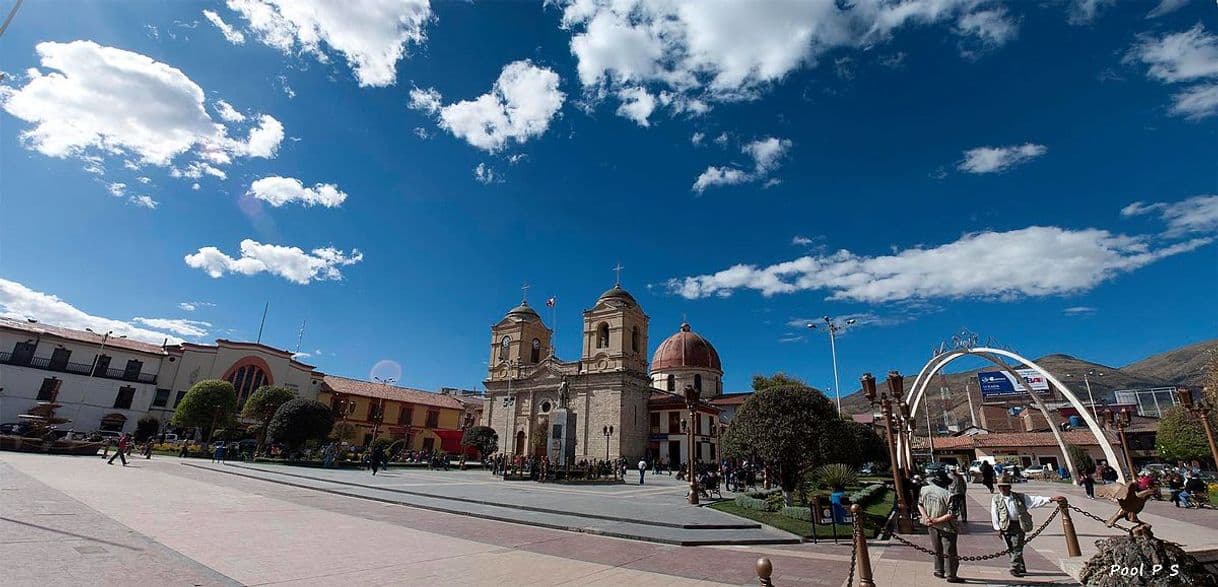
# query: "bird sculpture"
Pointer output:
{"type": "Point", "coordinates": [1130, 500]}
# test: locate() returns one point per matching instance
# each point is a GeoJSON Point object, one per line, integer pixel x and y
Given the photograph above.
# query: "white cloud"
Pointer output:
{"type": "Point", "coordinates": [1178, 57]}
{"type": "Point", "coordinates": [192, 306]}
{"type": "Point", "coordinates": [519, 106]}
{"type": "Point", "coordinates": [1082, 12]}
{"type": "Point", "coordinates": [290, 263]}
{"type": "Point", "coordinates": [1198, 214]}
{"type": "Point", "coordinates": [766, 154]}
{"type": "Point", "coordinates": [421, 133]}
{"type": "Point", "coordinates": [20, 302]}
{"type": "Point", "coordinates": [227, 112]}
{"type": "Point", "coordinates": [993, 27]}
{"type": "Point", "coordinates": [719, 176]}
{"type": "Point", "coordinates": [801, 241]}
{"type": "Point", "coordinates": [277, 191]}
{"type": "Point", "coordinates": [1079, 311]}
{"type": "Point", "coordinates": [371, 34]}
{"type": "Point", "coordinates": [637, 105]}
{"type": "Point", "coordinates": [724, 50]}
{"type": "Point", "coordinates": [484, 174]}
{"type": "Point", "coordinates": [145, 201]}
{"type": "Point", "coordinates": [697, 138]}
{"type": "Point", "coordinates": [1167, 7]}
{"type": "Point", "coordinates": [1197, 102]}
{"type": "Point", "coordinates": [722, 139]}
{"type": "Point", "coordinates": [999, 159]}
{"type": "Point", "coordinates": [179, 326]}
{"type": "Point", "coordinates": [117, 189]}
{"type": "Point", "coordinates": [104, 101]}
{"type": "Point", "coordinates": [144, 180]}
{"type": "Point", "coordinates": [195, 186]}
{"type": "Point", "coordinates": [1030, 262]}
{"type": "Point", "coordinates": [231, 34]}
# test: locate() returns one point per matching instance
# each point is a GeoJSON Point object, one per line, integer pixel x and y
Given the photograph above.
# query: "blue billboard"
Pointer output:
{"type": "Point", "coordinates": [995, 383]}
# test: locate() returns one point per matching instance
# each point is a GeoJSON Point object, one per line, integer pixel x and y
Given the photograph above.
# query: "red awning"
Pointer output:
{"type": "Point", "coordinates": [450, 442]}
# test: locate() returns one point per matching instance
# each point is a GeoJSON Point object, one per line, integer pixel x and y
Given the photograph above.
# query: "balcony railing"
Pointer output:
{"type": "Point", "coordinates": [44, 363]}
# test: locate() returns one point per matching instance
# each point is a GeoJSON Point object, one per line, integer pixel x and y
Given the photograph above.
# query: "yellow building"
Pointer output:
{"type": "Point", "coordinates": [427, 421]}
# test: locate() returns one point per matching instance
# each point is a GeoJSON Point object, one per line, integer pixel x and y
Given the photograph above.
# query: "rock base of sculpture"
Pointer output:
{"type": "Point", "coordinates": [1142, 559]}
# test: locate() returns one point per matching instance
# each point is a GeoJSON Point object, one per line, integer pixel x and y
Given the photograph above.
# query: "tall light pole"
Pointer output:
{"type": "Point", "coordinates": [607, 431]}
{"type": "Point", "coordinates": [691, 402]}
{"type": "Point", "coordinates": [833, 327]}
{"type": "Point", "coordinates": [92, 368]}
{"type": "Point", "coordinates": [1120, 421]}
{"type": "Point", "coordinates": [1087, 375]}
{"type": "Point", "coordinates": [1201, 410]}
{"type": "Point", "coordinates": [380, 407]}
{"type": "Point", "coordinates": [895, 385]}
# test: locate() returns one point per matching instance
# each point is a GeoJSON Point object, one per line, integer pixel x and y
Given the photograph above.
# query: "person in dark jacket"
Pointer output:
{"type": "Point", "coordinates": [121, 453]}
{"type": "Point", "coordinates": [377, 459]}
{"type": "Point", "coordinates": [987, 475]}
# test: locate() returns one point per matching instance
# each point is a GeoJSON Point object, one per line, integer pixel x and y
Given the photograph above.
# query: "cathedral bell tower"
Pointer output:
{"type": "Point", "coordinates": [520, 339]}
{"type": "Point", "coordinates": [615, 334]}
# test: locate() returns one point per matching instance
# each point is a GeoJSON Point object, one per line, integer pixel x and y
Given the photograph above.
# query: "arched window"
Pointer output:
{"type": "Point", "coordinates": [504, 345]}
{"type": "Point", "coordinates": [634, 339]}
{"type": "Point", "coordinates": [602, 336]}
{"type": "Point", "coordinates": [698, 382]}
{"type": "Point", "coordinates": [672, 382]}
{"type": "Point", "coordinates": [536, 356]}
{"type": "Point", "coordinates": [246, 379]}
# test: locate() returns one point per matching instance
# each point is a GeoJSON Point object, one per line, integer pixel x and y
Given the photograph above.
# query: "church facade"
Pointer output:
{"type": "Point", "coordinates": [610, 385]}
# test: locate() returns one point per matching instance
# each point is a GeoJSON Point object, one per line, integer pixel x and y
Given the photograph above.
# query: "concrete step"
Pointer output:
{"type": "Point", "coordinates": [645, 530]}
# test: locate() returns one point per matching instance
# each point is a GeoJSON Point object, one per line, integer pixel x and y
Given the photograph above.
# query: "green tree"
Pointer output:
{"type": "Point", "coordinates": [484, 439]}
{"type": "Point", "coordinates": [300, 420]}
{"type": "Point", "coordinates": [262, 405]}
{"type": "Point", "coordinates": [761, 382]}
{"type": "Point", "coordinates": [208, 404]}
{"type": "Point", "coordinates": [789, 426]}
{"type": "Point", "coordinates": [1083, 463]}
{"type": "Point", "coordinates": [1181, 437]}
{"type": "Point", "coordinates": [146, 427]}
{"type": "Point", "coordinates": [859, 445]}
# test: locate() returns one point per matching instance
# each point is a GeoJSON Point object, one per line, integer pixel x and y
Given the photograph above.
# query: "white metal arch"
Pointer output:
{"type": "Point", "coordinates": [940, 361]}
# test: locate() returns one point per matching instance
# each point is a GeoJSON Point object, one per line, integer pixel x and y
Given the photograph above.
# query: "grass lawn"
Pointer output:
{"type": "Point", "coordinates": [874, 516]}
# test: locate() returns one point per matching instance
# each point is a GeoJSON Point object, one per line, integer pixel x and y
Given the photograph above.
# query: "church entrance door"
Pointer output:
{"type": "Point", "coordinates": [519, 443]}
{"type": "Point", "coordinates": [674, 454]}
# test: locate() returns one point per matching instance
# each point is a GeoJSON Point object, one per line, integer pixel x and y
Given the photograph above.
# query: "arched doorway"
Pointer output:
{"type": "Point", "coordinates": [964, 347]}
{"type": "Point", "coordinates": [519, 443]}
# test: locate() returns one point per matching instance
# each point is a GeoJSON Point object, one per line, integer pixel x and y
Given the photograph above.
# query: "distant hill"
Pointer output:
{"type": "Point", "coordinates": [1182, 366]}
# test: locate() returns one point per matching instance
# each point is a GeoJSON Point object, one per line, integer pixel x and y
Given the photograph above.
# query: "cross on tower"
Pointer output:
{"type": "Point", "coordinates": [618, 271]}
{"type": "Point", "coordinates": [524, 292]}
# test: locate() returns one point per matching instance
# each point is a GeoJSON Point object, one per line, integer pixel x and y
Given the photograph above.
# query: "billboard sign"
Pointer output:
{"type": "Point", "coordinates": [995, 383]}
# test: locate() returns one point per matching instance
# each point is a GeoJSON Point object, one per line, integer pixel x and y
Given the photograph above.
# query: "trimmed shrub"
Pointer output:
{"type": "Point", "coordinates": [867, 495]}
{"type": "Point", "coordinates": [752, 503]}
{"type": "Point", "coordinates": [299, 421]}
{"type": "Point", "coordinates": [797, 513]}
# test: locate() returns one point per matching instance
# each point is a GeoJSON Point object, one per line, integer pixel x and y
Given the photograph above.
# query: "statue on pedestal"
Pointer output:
{"type": "Point", "coordinates": [564, 393]}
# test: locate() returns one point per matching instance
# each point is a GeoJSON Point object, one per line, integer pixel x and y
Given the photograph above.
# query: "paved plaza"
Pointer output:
{"type": "Point", "coordinates": [72, 521]}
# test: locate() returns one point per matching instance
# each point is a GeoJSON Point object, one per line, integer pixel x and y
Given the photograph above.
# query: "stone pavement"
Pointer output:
{"type": "Point", "coordinates": [657, 512]}
{"type": "Point", "coordinates": [230, 528]}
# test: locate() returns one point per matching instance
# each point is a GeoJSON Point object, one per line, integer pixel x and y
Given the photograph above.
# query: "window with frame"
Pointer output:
{"type": "Point", "coordinates": [698, 382]}
{"type": "Point", "coordinates": [406, 415]}
{"type": "Point", "coordinates": [634, 339]}
{"type": "Point", "coordinates": [602, 336]}
{"type": "Point", "coordinates": [59, 358]}
{"type": "Point", "coordinates": [674, 422]}
{"type": "Point", "coordinates": [375, 410]}
{"type": "Point", "coordinates": [535, 357]}
{"type": "Point", "coordinates": [123, 400]}
{"type": "Point", "coordinates": [49, 389]}
{"type": "Point", "coordinates": [653, 422]}
{"type": "Point", "coordinates": [672, 382]}
{"type": "Point", "coordinates": [246, 379]}
{"type": "Point", "coordinates": [505, 345]}
{"type": "Point", "coordinates": [161, 399]}
{"type": "Point", "coordinates": [177, 400]}
{"type": "Point", "coordinates": [433, 418]}
{"type": "Point", "coordinates": [133, 368]}
{"type": "Point", "coordinates": [23, 352]}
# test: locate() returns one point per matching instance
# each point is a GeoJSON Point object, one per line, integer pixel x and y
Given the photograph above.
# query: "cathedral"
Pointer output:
{"type": "Point", "coordinates": [611, 385]}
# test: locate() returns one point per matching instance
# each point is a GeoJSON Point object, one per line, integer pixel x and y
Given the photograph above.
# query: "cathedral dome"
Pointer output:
{"type": "Point", "coordinates": [523, 312]}
{"type": "Point", "coordinates": [617, 293]}
{"type": "Point", "coordinates": [686, 349]}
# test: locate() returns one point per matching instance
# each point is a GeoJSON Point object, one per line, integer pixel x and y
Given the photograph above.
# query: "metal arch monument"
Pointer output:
{"type": "Point", "coordinates": [965, 345]}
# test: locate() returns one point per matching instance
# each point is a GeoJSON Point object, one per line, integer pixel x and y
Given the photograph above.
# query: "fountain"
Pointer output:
{"type": "Point", "coordinates": [38, 432]}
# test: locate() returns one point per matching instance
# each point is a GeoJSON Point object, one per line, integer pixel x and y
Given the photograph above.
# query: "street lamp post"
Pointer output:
{"type": "Point", "coordinates": [895, 382]}
{"type": "Point", "coordinates": [1120, 421]}
{"type": "Point", "coordinates": [92, 369]}
{"type": "Point", "coordinates": [1087, 375]}
{"type": "Point", "coordinates": [607, 431]}
{"type": "Point", "coordinates": [380, 405]}
{"type": "Point", "coordinates": [691, 402]}
{"type": "Point", "coordinates": [833, 327]}
{"type": "Point", "coordinates": [1201, 410]}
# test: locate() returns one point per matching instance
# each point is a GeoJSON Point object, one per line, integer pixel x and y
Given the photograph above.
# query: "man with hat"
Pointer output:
{"type": "Point", "coordinates": [1010, 518]}
{"type": "Point", "coordinates": [934, 503]}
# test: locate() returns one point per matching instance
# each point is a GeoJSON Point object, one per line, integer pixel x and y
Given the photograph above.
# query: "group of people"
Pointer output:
{"type": "Point", "coordinates": [942, 509]}
{"type": "Point", "coordinates": [1185, 486]}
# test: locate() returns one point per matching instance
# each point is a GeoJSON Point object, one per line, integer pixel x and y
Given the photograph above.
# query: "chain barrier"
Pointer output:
{"type": "Point", "coordinates": [1097, 518]}
{"type": "Point", "coordinates": [853, 558]}
{"type": "Point", "coordinates": [983, 557]}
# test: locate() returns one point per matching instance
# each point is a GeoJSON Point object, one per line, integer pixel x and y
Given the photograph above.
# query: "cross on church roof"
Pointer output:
{"type": "Point", "coordinates": [618, 271]}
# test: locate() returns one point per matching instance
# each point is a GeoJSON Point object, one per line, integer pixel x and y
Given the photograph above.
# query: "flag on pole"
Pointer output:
{"type": "Point", "coordinates": [551, 302]}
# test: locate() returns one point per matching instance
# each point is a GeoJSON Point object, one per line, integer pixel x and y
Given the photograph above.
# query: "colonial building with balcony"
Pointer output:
{"type": "Point", "coordinates": [424, 420]}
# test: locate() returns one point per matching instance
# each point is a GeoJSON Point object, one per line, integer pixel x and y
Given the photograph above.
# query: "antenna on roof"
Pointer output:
{"type": "Point", "coordinates": [263, 323]}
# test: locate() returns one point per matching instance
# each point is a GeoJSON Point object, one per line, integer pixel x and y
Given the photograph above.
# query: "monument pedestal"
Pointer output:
{"type": "Point", "coordinates": [562, 437]}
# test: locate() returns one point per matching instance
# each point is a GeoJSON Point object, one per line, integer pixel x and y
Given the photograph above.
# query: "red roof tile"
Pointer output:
{"type": "Point", "coordinates": [343, 385]}
{"type": "Point", "coordinates": [84, 336]}
{"type": "Point", "coordinates": [1011, 439]}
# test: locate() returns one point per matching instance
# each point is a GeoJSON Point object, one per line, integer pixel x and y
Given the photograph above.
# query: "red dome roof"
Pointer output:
{"type": "Point", "coordinates": [686, 349]}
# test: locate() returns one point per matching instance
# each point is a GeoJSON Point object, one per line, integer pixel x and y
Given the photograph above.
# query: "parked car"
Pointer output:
{"type": "Point", "coordinates": [1154, 469]}
{"type": "Point", "coordinates": [1039, 472]}
{"type": "Point", "coordinates": [932, 469]}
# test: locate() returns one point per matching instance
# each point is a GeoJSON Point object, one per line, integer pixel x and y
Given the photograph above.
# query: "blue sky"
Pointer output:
{"type": "Point", "coordinates": [1042, 173]}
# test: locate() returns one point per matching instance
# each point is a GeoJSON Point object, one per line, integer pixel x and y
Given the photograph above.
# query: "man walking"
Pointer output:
{"type": "Point", "coordinates": [934, 503]}
{"type": "Point", "coordinates": [987, 475]}
{"type": "Point", "coordinates": [376, 458]}
{"type": "Point", "coordinates": [958, 488]}
{"type": "Point", "coordinates": [642, 470]}
{"type": "Point", "coordinates": [121, 453]}
{"type": "Point", "coordinates": [1011, 519]}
